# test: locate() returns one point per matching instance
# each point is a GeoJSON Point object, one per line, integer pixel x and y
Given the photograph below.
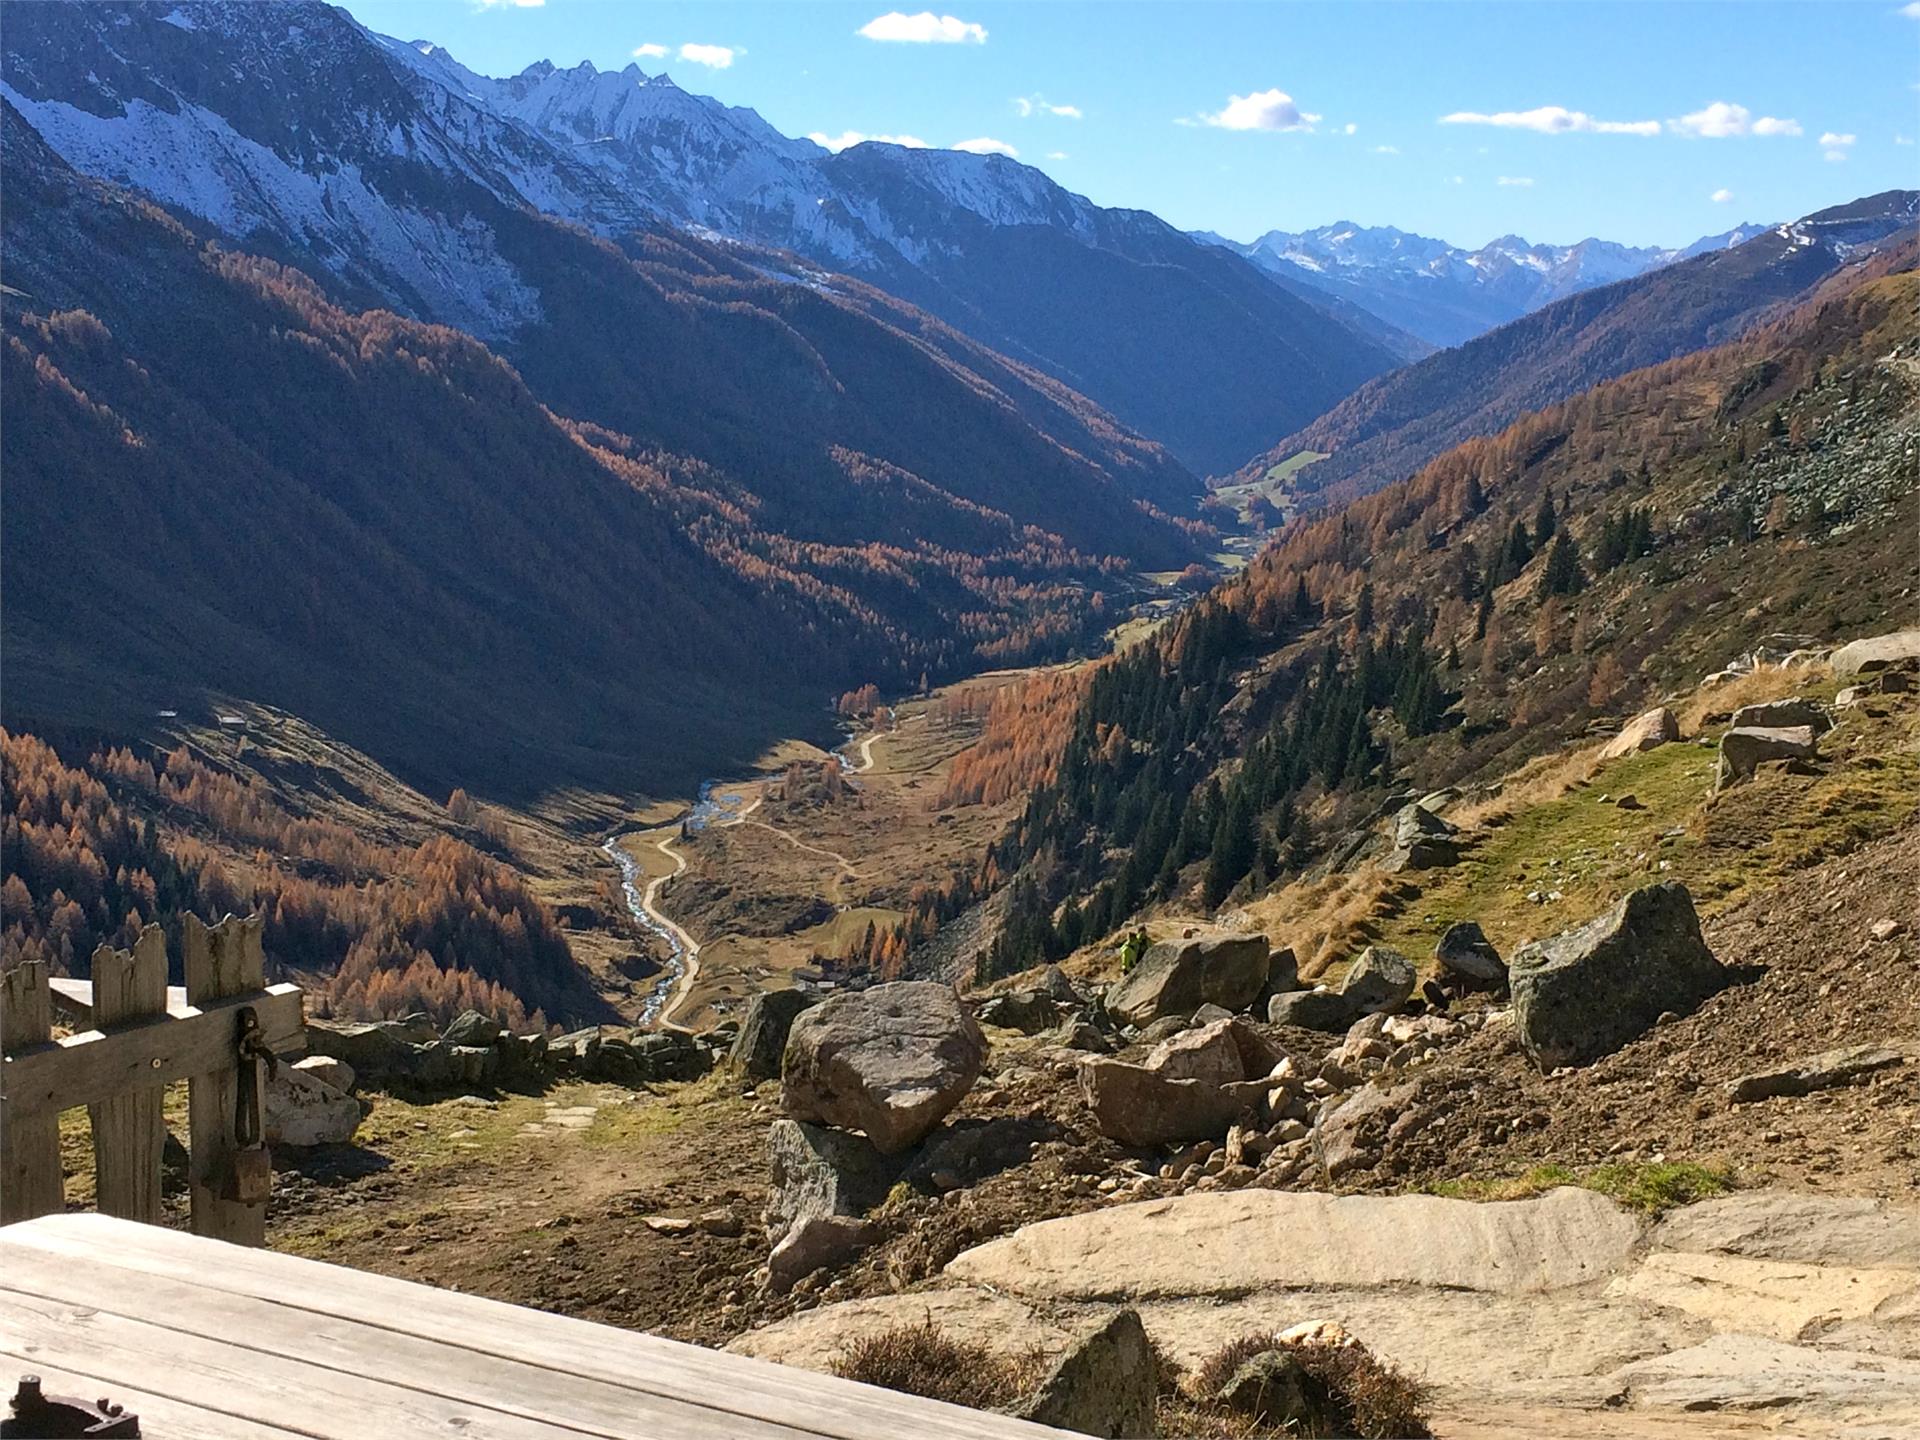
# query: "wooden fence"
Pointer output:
{"type": "Point", "coordinates": [119, 1069]}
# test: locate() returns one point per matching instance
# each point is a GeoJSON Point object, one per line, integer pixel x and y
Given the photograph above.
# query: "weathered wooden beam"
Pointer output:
{"type": "Point", "coordinates": [30, 1182]}
{"type": "Point", "coordinates": [95, 1065]}
{"type": "Point", "coordinates": [73, 1000]}
{"type": "Point", "coordinates": [128, 1132]}
{"type": "Point", "coordinates": [221, 963]}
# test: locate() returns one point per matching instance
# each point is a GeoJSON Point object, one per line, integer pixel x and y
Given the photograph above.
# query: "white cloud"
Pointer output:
{"type": "Point", "coordinates": [1837, 146]}
{"type": "Point", "coordinates": [1029, 105]}
{"type": "Point", "coordinates": [1351, 128]}
{"type": "Point", "coordinates": [1911, 10]}
{"type": "Point", "coordinates": [1832, 139]}
{"type": "Point", "coordinates": [986, 145]}
{"type": "Point", "coordinates": [1458, 180]}
{"type": "Point", "coordinates": [926, 28]}
{"type": "Point", "coordinates": [837, 143]}
{"type": "Point", "coordinates": [1522, 182]}
{"type": "Point", "coordinates": [1552, 120]}
{"type": "Point", "coordinates": [1262, 110]}
{"type": "Point", "coordinates": [1722, 196]}
{"type": "Point", "coordinates": [1385, 150]}
{"type": "Point", "coordinates": [714, 57]}
{"type": "Point", "coordinates": [1058, 155]}
{"type": "Point", "coordinates": [1904, 139]}
{"type": "Point", "coordinates": [508, 4]}
{"type": "Point", "coordinates": [1722, 121]}
{"type": "Point", "coordinates": [649, 52]}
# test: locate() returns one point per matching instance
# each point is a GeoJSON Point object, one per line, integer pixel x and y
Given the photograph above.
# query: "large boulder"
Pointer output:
{"type": "Point", "coordinates": [889, 1061]}
{"type": "Point", "coordinates": [1744, 749]}
{"type": "Point", "coordinates": [1588, 991]}
{"type": "Point", "coordinates": [1105, 1383]}
{"type": "Point", "coordinates": [762, 1040]}
{"type": "Point", "coordinates": [473, 1028]}
{"type": "Point", "coordinates": [1351, 1136]}
{"type": "Point", "coordinates": [1221, 1052]}
{"type": "Point", "coordinates": [1784, 714]}
{"type": "Point", "coordinates": [1421, 841]}
{"type": "Point", "coordinates": [1379, 982]}
{"type": "Point", "coordinates": [303, 1109]}
{"type": "Point", "coordinates": [1326, 1010]}
{"type": "Point", "coordinates": [1138, 1106]}
{"type": "Point", "coordinates": [1465, 951]}
{"type": "Point", "coordinates": [1177, 977]}
{"type": "Point", "coordinates": [815, 1171]}
{"type": "Point", "coordinates": [1881, 652]}
{"type": "Point", "coordinates": [1027, 1011]}
{"type": "Point", "coordinates": [1646, 731]}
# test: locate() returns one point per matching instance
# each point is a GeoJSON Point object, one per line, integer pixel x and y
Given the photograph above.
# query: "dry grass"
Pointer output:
{"type": "Point", "coordinates": [1327, 919]}
{"type": "Point", "coordinates": [921, 1359]}
{"type": "Point", "coordinates": [1350, 1391]}
{"type": "Point", "coordinates": [1776, 682]}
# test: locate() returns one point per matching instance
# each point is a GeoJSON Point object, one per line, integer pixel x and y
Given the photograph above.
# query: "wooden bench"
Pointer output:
{"type": "Point", "coordinates": [214, 1341]}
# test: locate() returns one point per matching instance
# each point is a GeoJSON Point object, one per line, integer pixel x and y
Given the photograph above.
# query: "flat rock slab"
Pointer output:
{"type": "Point", "coordinates": [1746, 1372]}
{"type": "Point", "coordinates": [813, 1339]}
{"type": "Point", "coordinates": [1782, 1299]}
{"type": "Point", "coordinates": [1831, 1068]}
{"type": "Point", "coordinates": [1238, 1241]}
{"type": "Point", "coordinates": [1805, 1229]}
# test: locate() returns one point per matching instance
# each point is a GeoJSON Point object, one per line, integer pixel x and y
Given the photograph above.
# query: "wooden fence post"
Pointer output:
{"type": "Point", "coordinates": [226, 960]}
{"type": "Point", "coordinates": [128, 1131]}
{"type": "Point", "coordinates": [30, 1182]}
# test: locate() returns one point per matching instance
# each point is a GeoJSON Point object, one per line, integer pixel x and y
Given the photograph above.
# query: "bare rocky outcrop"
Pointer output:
{"type": "Point", "coordinates": [1784, 714]}
{"type": "Point", "coordinates": [890, 1061]}
{"type": "Point", "coordinates": [1591, 989]}
{"type": "Point", "coordinates": [1177, 977]}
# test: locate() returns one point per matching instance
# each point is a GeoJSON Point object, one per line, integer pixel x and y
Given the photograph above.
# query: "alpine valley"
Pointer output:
{"type": "Point", "coordinates": [868, 761]}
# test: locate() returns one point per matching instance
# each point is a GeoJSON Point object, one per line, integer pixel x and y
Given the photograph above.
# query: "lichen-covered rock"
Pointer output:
{"type": "Point", "coordinates": [1177, 977]}
{"type": "Point", "coordinates": [1586, 992]}
{"type": "Point", "coordinates": [762, 1041]}
{"type": "Point", "coordinates": [1326, 1010]}
{"type": "Point", "coordinates": [303, 1109]}
{"type": "Point", "coordinates": [1742, 750]}
{"type": "Point", "coordinates": [889, 1061]}
{"type": "Point", "coordinates": [1465, 951]}
{"type": "Point", "coordinates": [1104, 1384]}
{"type": "Point", "coordinates": [813, 1171]}
{"type": "Point", "coordinates": [1379, 982]}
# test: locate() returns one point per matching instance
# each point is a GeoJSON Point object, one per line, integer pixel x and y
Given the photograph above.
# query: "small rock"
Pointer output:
{"type": "Point", "coordinates": [817, 1241]}
{"type": "Point", "coordinates": [1886, 929]}
{"type": "Point", "coordinates": [1818, 1072]}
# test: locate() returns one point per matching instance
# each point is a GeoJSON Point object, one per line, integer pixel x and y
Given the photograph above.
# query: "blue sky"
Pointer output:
{"type": "Point", "coordinates": [1649, 123]}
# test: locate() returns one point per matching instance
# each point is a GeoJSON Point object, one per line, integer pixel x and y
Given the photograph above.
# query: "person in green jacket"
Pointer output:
{"type": "Point", "coordinates": [1131, 949]}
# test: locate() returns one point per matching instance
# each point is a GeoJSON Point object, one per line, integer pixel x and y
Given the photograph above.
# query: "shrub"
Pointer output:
{"type": "Point", "coordinates": [921, 1359]}
{"type": "Point", "coordinates": [1350, 1390]}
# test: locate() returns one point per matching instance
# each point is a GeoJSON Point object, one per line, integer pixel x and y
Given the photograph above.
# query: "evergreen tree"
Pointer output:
{"type": "Point", "coordinates": [1562, 574]}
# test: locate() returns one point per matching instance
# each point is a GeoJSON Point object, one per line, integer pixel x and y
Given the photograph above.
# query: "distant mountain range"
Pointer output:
{"type": "Point", "coordinates": [1393, 425]}
{"type": "Point", "coordinates": [1446, 295]}
{"type": "Point", "coordinates": [292, 128]}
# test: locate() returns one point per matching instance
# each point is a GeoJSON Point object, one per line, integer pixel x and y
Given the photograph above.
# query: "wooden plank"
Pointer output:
{"type": "Point", "coordinates": [421, 1362]}
{"type": "Point", "coordinates": [491, 1330]}
{"type": "Point", "coordinates": [73, 999]}
{"type": "Point", "coordinates": [159, 1414]}
{"type": "Point", "coordinates": [30, 1182]}
{"type": "Point", "coordinates": [217, 1375]}
{"type": "Point", "coordinates": [220, 963]}
{"type": "Point", "coordinates": [130, 985]}
{"type": "Point", "coordinates": [92, 1066]}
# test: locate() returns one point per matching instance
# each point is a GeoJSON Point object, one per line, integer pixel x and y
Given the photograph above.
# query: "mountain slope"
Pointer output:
{"type": "Point", "coordinates": [295, 130]}
{"type": "Point", "coordinates": [1394, 424]}
{"type": "Point", "coordinates": [1514, 595]}
{"type": "Point", "coordinates": [222, 484]}
{"type": "Point", "coordinates": [1446, 295]}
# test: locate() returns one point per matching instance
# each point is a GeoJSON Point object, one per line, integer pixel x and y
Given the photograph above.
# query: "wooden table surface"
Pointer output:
{"type": "Point", "coordinates": [209, 1340]}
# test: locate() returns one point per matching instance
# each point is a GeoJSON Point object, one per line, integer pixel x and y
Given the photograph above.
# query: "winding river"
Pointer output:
{"type": "Point", "coordinates": [713, 806]}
